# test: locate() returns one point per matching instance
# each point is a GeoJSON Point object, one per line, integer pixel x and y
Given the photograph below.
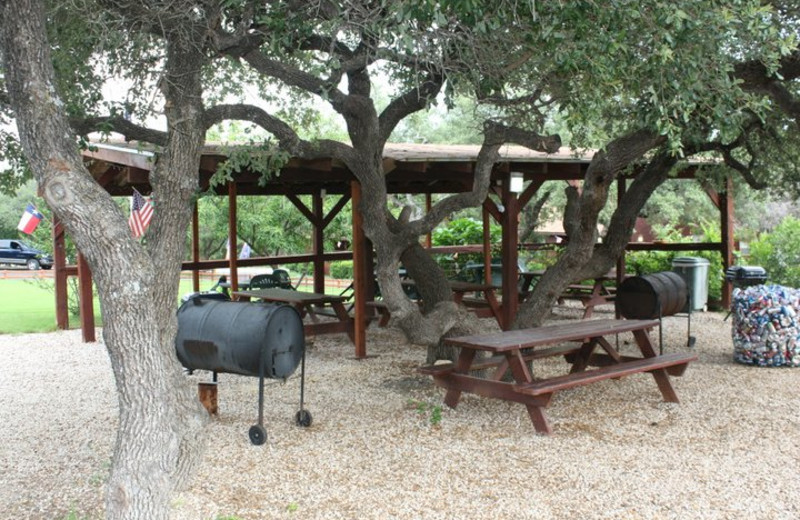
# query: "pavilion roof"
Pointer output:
{"type": "Point", "coordinates": [409, 167]}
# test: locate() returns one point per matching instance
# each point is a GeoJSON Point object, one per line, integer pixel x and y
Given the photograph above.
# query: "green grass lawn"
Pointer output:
{"type": "Point", "coordinates": [30, 306]}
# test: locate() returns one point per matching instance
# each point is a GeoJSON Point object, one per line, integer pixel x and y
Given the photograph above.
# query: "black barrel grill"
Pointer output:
{"type": "Point", "coordinates": [746, 275]}
{"type": "Point", "coordinates": [250, 339]}
{"type": "Point", "coordinates": [655, 296]}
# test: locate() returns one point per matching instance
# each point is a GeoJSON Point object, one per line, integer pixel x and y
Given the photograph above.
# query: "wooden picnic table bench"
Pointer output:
{"type": "Point", "coordinates": [590, 293]}
{"type": "Point", "coordinates": [576, 341]}
{"type": "Point", "coordinates": [487, 307]}
{"type": "Point", "coordinates": [311, 305]}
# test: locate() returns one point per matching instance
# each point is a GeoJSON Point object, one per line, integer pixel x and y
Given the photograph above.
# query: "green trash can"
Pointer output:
{"type": "Point", "coordinates": [694, 271]}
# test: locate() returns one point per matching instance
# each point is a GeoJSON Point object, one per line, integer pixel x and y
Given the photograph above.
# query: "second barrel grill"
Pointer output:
{"type": "Point", "coordinates": [251, 339]}
{"type": "Point", "coordinates": [653, 296]}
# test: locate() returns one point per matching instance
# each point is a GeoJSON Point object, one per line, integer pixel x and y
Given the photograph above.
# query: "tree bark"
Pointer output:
{"type": "Point", "coordinates": [580, 260]}
{"type": "Point", "coordinates": [161, 421]}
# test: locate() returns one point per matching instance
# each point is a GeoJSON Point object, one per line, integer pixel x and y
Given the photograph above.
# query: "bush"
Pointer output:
{"type": "Point", "coordinates": [461, 232]}
{"type": "Point", "coordinates": [342, 269]}
{"type": "Point", "coordinates": [779, 253]}
{"type": "Point", "coordinates": [648, 262]}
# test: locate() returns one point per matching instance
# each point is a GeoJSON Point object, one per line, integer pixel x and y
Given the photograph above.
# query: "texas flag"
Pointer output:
{"type": "Point", "coordinates": [30, 219]}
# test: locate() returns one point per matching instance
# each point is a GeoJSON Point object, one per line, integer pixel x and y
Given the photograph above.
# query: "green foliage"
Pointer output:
{"type": "Point", "coordinates": [648, 262]}
{"type": "Point", "coordinates": [342, 269]}
{"type": "Point", "coordinates": [779, 253]}
{"type": "Point", "coordinates": [271, 225]}
{"type": "Point", "coordinates": [460, 232]}
{"type": "Point", "coordinates": [12, 207]}
{"type": "Point", "coordinates": [716, 273]}
{"type": "Point", "coordinates": [431, 413]}
{"type": "Point", "coordinates": [14, 171]}
{"type": "Point", "coordinates": [540, 259]}
{"type": "Point", "coordinates": [264, 158]}
{"type": "Point", "coordinates": [615, 55]}
{"type": "Point", "coordinates": [678, 203]}
{"type": "Point", "coordinates": [74, 515]}
{"type": "Point", "coordinates": [460, 124]}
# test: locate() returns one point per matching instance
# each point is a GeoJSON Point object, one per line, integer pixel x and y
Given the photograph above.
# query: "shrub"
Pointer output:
{"type": "Point", "coordinates": [342, 269]}
{"type": "Point", "coordinates": [461, 232]}
{"type": "Point", "coordinates": [779, 253]}
{"type": "Point", "coordinates": [647, 262]}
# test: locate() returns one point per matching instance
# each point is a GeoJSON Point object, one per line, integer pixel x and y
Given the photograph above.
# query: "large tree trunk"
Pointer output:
{"type": "Point", "coordinates": [583, 257]}
{"type": "Point", "coordinates": [161, 420]}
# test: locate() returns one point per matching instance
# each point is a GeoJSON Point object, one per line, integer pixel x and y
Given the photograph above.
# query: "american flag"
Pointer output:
{"type": "Point", "coordinates": [141, 213]}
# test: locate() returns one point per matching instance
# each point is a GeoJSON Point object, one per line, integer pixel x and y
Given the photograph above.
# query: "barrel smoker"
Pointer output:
{"type": "Point", "coordinates": [250, 339]}
{"type": "Point", "coordinates": [655, 296]}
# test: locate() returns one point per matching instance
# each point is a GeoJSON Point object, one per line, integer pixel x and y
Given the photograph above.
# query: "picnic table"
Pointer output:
{"type": "Point", "coordinates": [576, 341]}
{"type": "Point", "coordinates": [312, 305]}
{"type": "Point", "coordinates": [590, 293]}
{"type": "Point", "coordinates": [486, 307]}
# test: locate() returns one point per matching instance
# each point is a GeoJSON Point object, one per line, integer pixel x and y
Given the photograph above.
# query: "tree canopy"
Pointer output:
{"type": "Point", "coordinates": [647, 83]}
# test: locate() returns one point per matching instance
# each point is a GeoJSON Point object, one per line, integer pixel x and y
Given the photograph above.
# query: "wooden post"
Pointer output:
{"type": "Point", "coordinates": [428, 206]}
{"type": "Point", "coordinates": [510, 226]}
{"type": "Point", "coordinates": [233, 238]}
{"type": "Point", "coordinates": [195, 247]}
{"type": "Point", "coordinates": [724, 203]}
{"type": "Point", "coordinates": [318, 242]}
{"type": "Point", "coordinates": [726, 224]}
{"type": "Point", "coordinates": [60, 275]}
{"type": "Point", "coordinates": [86, 300]}
{"type": "Point", "coordinates": [487, 245]}
{"type": "Point", "coordinates": [360, 275]}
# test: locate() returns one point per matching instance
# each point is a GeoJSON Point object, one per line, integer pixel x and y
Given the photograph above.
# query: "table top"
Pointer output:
{"type": "Point", "coordinates": [549, 334]}
{"type": "Point", "coordinates": [289, 296]}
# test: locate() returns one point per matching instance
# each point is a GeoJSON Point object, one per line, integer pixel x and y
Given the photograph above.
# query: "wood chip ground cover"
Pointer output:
{"type": "Point", "coordinates": [729, 450]}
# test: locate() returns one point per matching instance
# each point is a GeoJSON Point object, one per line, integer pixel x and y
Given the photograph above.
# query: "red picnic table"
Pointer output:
{"type": "Point", "coordinates": [576, 341]}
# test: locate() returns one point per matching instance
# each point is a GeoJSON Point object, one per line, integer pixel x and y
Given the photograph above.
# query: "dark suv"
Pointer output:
{"type": "Point", "coordinates": [17, 252]}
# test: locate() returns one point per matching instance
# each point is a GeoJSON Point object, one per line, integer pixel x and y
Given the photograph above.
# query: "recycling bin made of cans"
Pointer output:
{"type": "Point", "coordinates": [250, 339]}
{"type": "Point", "coordinates": [766, 326]}
{"type": "Point", "coordinates": [694, 272]}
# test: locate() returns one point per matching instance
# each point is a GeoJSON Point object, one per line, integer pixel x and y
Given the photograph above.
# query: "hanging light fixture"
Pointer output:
{"type": "Point", "coordinates": [516, 182]}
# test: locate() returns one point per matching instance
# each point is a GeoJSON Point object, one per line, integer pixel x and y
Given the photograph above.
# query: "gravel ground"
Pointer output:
{"type": "Point", "coordinates": [376, 449]}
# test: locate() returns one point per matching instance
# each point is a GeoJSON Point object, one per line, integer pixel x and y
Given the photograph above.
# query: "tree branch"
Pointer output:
{"type": "Point", "coordinates": [287, 137]}
{"type": "Point", "coordinates": [526, 138]}
{"type": "Point", "coordinates": [120, 125]}
{"type": "Point", "coordinates": [412, 101]}
{"type": "Point", "coordinates": [756, 78]}
{"type": "Point", "coordinates": [297, 78]}
{"type": "Point", "coordinates": [623, 220]}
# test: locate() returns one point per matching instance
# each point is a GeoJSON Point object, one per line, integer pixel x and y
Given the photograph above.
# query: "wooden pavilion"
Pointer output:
{"type": "Point", "coordinates": [410, 168]}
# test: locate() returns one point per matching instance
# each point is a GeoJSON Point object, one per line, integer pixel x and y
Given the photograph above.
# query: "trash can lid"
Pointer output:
{"type": "Point", "coordinates": [689, 260]}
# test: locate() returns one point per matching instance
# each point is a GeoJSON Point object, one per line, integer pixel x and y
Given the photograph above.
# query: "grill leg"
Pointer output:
{"type": "Point", "coordinates": [302, 378]}
{"type": "Point", "coordinates": [261, 400]}
{"type": "Point", "coordinates": [257, 433]}
{"type": "Point", "coordinates": [303, 417]}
